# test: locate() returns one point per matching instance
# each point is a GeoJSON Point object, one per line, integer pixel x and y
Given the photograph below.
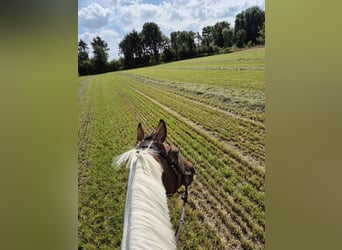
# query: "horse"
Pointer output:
{"type": "Point", "coordinates": [157, 170]}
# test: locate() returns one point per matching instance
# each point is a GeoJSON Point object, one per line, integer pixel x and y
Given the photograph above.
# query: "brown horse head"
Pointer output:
{"type": "Point", "coordinates": [177, 170]}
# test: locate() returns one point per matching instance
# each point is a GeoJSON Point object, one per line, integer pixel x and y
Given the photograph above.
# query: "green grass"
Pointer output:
{"type": "Point", "coordinates": [236, 88]}
{"type": "Point", "coordinates": [224, 138]}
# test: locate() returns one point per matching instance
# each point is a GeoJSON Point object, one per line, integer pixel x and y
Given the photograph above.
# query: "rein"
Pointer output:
{"type": "Point", "coordinates": [181, 220]}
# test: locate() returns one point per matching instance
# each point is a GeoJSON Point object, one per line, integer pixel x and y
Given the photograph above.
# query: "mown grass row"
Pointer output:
{"type": "Point", "coordinates": [210, 180]}
{"type": "Point", "coordinates": [247, 104]}
{"type": "Point", "coordinates": [238, 79]}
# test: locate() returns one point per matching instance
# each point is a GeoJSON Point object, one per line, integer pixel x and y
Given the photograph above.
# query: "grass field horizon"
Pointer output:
{"type": "Point", "coordinates": [214, 108]}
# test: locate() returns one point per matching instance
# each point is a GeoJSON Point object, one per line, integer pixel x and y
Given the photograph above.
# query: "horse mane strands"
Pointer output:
{"type": "Point", "coordinates": [146, 222]}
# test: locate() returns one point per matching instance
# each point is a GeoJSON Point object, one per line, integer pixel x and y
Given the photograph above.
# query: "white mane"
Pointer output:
{"type": "Point", "coordinates": [146, 222]}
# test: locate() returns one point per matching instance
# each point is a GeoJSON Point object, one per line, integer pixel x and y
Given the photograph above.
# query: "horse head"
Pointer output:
{"type": "Point", "coordinates": [177, 171]}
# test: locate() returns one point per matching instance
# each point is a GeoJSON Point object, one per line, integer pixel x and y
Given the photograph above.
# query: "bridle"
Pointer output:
{"type": "Point", "coordinates": [175, 163]}
{"type": "Point", "coordinates": [178, 168]}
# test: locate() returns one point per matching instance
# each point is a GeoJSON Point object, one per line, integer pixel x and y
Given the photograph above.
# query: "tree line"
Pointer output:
{"type": "Point", "coordinates": [151, 46]}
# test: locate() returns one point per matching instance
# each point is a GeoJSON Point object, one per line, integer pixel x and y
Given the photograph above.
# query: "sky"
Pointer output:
{"type": "Point", "coordinates": [113, 19]}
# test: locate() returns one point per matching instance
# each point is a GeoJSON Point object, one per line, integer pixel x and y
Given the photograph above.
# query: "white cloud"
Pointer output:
{"type": "Point", "coordinates": [129, 17]}
{"type": "Point", "coordinates": [179, 15]}
{"type": "Point", "coordinates": [103, 3]}
{"type": "Point", "coordinates": [112, 19]}
{"type": "Point", "coordinates": [94, 16]}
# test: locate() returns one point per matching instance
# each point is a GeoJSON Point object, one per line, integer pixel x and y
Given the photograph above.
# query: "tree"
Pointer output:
{"type": "Point", "coordinates": [136, 45]}
{"type": "Point", "coordinates": [190, 42]}
{"type": "Point", "coordinates": [150, 44]}
{"type": "Point", "coordinates": [207, 36]}
{"type": "Point", "coordinates": [82, 51]}
{"type": "Point", "coordinates": [228, 37]}
{"type": "Point", "coordinates": [152, 40]}
{"type": "Point", "coordinates": [218, 33]}
{"type": "Point", "coordinates": [261, 33]}
{"type": "Point", "coordinates": [251, 21]}
{"type": "Point", "coordinates": [255, 19]}
{"type": "Point", "coordinates": [132, 48]}
{"type": "Point", "coordinates": [183, 44]}
{"type": "Point", "coordinates": [240, 38]}
{"type": "Point", "coordinates": [174, 42]}
{"type": "Point", "coordinates": [83, 58]}
{"type": "Point", "coordinates": [99, 61]}
{"type": "Point", "coordinates": [114, 65]}
{"type": "Point", "coordinates": [168, 53]}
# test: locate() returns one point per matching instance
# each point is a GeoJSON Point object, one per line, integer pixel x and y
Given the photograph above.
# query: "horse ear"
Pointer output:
{"type": "Point", "coordinates": [161, 132]}
{"type": "Point", "coordinates": [141, 134]}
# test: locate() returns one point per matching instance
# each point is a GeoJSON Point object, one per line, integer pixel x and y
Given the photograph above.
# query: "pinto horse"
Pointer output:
{"type": "Point", "coordinates": [157, 169]}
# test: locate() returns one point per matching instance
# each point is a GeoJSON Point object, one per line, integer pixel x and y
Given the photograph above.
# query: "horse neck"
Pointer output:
{"type": "Point", "coordinates": [147, 223]}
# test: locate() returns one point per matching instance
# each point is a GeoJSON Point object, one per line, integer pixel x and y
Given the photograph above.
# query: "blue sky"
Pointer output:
{"type": "Point", "coordinates": [113, 19]}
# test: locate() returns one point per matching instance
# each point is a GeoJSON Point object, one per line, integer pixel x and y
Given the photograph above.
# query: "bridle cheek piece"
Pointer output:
{"type": "Point", "coordinates": [176, 163]}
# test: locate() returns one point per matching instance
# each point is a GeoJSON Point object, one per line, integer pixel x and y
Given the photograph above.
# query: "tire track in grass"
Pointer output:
{"type": "Point", "coordinates": [86, 118]}
{"type": "Point", "coordinates": [85, 134]}
{"type": "Point", "coordinates": [82, 89]}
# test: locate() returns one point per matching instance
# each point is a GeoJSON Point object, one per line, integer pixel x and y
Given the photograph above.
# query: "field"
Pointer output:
{"type": "Point", "coordinates": [214, 108]}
